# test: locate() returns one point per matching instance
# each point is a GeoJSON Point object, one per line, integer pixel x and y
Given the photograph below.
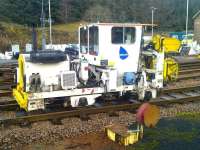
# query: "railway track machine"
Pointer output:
{"type": "Point", "coordinates": [111, 62]}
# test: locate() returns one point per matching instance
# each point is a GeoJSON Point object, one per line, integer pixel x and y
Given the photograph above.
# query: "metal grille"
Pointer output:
{"type": "Point", "coordinates": [68, 80]}
{"type": "Point", "coordinates": [119, 81]}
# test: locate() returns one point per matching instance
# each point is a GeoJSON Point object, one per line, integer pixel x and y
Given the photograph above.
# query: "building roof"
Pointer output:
{"type": "Point", "coordinates": [196, 15]}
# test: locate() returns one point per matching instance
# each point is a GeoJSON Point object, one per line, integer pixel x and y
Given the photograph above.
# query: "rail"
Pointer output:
{"type": "Point", "coordinates": [164, 100]}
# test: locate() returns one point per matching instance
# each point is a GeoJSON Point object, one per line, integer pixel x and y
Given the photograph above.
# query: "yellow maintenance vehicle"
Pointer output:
{"type": "Point", "coordinates": [176, 66]}
{"type": "Point", "coordinates": [112, 61]}
{"type": "Point", "coordinates": [170, 47]}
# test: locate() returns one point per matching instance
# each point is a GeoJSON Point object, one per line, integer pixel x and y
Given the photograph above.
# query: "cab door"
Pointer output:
{"type": "Point", "coordinates": [125, 48]}
{"type": "Point", "coordinates": [89, 44]}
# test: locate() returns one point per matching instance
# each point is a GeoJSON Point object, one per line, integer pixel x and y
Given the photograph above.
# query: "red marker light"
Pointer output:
{"type": "Point", "coordinates": [86, 68]}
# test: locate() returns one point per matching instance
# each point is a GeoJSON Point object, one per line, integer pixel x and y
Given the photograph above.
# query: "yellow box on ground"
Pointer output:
{"type": "Point", "coordinates": [123, 135]}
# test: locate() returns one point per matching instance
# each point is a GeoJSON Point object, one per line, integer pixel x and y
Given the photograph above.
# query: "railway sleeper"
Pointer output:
{"type": "Point", "coordinates": [84, 117]}
{"type": "Point", "coordinates": [25, 124]}
{"type": "Point", "coordinates": [56, 121]}
{"type": "Point", "coordinates": [113, 114]}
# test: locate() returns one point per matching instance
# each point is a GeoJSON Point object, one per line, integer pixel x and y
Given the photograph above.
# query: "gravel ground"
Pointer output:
{"type": "Point", "coordinates": [15, 137]}
{"type": "Point", "coordinates": [46, 133]}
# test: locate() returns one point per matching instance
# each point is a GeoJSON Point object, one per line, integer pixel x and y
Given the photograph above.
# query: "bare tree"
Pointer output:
{"type": "Point", "coordinates": [98, 13]}
{"type": "Point", "coordinates": [65, 10]}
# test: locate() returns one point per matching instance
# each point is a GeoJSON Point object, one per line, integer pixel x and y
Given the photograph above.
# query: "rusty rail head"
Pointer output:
{"type": "Point", "coordinates": [92, 110]}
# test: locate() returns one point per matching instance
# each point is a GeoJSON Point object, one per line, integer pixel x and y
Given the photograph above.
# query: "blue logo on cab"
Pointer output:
{"type": "Point", "coordinates": [123, 54]}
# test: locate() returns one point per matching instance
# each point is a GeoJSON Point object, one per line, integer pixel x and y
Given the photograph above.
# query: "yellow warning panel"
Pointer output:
{"type": "Point", "coordinates": [148, 115]}
{"type": "Point", "coordinates": [151, 116]}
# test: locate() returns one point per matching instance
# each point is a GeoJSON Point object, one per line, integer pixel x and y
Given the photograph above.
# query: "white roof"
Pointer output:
{"type": "Point", "coordinates": [117, 24]}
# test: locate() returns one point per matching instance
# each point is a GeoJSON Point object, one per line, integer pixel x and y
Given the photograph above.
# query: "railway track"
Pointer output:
{"type": "Point", "coordinates": [4, 93]}
{"type": "Point", "coordinates": [180, 89]}
{"type": "Point", "coordinates": [167, 97]}
{"type": "Point", "coordinates": [189, 67]}
{"type": "Point", "coordinates": [11, 105]}
{"type": "Point", "coordinates": [7, 76]}
{"type": "Point", "coordinates": [8, 105]}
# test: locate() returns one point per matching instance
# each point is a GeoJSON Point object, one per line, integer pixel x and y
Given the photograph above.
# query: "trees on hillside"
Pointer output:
{"type": "Point", "coordinates": [170, 13]}
{"type": "Point", "coordinates": [25, 11]}
{"type": "Point", "coordinates": [98, 13]}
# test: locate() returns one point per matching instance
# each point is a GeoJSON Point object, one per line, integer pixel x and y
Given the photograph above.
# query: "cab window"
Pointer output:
{"type": "Point", "coordinates": [84, 40]}
{"type": "Point", "coordinates": [93, 40]}
{"type": "Point", "coordinates": [123, 35]}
